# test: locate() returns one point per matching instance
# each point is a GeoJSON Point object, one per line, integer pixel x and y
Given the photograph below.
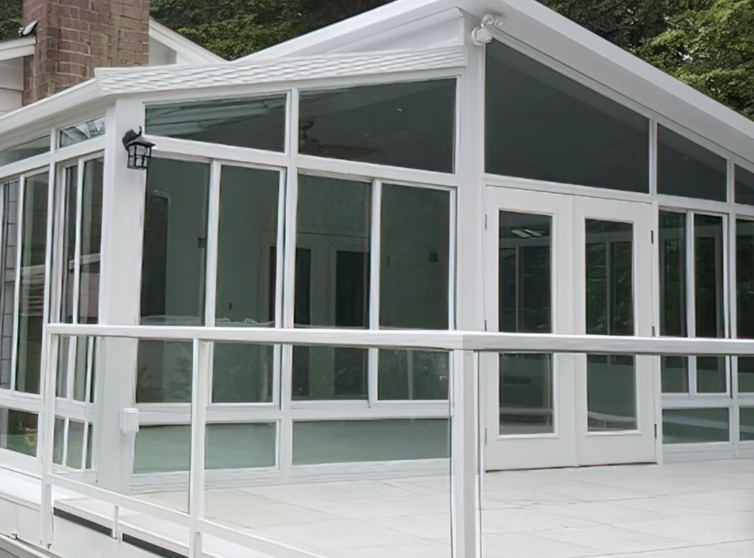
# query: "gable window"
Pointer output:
{"type": "Point", "coordinates": [542, 125]}
{"type": "Point", "coordinates": [408, 125]}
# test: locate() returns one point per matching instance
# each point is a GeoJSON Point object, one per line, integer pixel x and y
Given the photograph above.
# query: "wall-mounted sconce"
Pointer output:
{"type": "Point", "coordinates": [139, 150]}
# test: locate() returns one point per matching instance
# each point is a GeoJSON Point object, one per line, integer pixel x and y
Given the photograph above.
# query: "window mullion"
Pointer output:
{"type": "Point", "coordinates": [17, 286]}
{"type": "Point", "coordinates": [211, 260]}
{"type": "Point", "coordinates": [78, 215]}
{"type": "Point", "coordinates": [374, 289]}
{"type": "Point", "coordinates": [691, 295]}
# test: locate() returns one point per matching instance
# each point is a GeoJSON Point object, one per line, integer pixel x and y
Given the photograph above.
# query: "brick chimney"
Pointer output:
{"type": "Point", "coordinates": [76, 36]}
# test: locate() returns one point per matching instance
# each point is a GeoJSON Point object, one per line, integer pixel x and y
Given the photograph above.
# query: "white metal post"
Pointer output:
{"type": "Point", "coordinates": [465, 456]}
{"type": "Point", "coordinates": [199, 399]}
{"type": "Point", "coordinates": [47, 438]}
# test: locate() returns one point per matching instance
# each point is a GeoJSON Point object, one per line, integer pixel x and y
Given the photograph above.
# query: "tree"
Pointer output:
{"type": "Point", "coordinates": [710, 47]}
{"type": "Point", "coordinates": [10, 18]}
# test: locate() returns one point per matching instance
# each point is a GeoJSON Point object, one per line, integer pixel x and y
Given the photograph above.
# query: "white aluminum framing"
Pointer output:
{"type": "Point", "coordinates": [22, 170]}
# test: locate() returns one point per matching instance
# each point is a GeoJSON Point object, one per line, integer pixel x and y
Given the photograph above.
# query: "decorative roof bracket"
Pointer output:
{"type": "Point", "coordinates": [484, 34]}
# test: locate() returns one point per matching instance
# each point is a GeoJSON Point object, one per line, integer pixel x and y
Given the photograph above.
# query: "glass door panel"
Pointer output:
{"type": "Point", "coordinates": [530, 396]}
{"type": "Point", "coordinates": [615, 393]}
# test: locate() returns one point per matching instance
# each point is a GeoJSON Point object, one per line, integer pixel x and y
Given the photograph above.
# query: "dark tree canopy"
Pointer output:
{"type": "Point", "coordinates": [709, 44]}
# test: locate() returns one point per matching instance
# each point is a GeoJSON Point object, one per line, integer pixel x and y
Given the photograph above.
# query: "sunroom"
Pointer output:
{"type": "Point", "coordinates": [346, 265]}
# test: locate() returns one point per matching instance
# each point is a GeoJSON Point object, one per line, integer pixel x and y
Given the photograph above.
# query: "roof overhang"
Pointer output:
{"type": "Point", "coordinates": [17, 48]}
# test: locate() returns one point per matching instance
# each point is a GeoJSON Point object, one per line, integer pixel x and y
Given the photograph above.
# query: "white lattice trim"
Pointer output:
{"type": "Point", "coordinates": [114, 81]}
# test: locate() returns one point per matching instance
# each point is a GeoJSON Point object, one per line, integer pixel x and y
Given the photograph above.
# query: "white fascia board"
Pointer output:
{"type": "Point", "coordinates": [17, 48]}
{"type": "Point", "coordinates": [379, 20]}
{"type": "Point", "coordinates": [183, 47]}
{"type": "Point", "coordinates": [50, 109]}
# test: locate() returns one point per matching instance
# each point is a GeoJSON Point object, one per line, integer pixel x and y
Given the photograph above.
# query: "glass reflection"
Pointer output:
{"type": "Point", "coordinates": [685, 168]}
{"type": "Point", "coordinates": [8, 256]}
{"type": "Point", "coordinates": [526, 394]}
{"type": "Point", "coordinates": [33, 283]}
{"type": "Point", "coordinates": [708, 271]}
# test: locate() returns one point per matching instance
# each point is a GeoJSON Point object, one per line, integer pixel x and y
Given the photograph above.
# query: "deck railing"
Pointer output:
{"type": "Point", "coordinates": [115, 349]}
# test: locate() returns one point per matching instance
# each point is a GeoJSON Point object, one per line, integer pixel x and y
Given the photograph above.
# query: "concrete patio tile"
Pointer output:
{"type": "Point", "coordinates": [526, 545]}
{"type": "Point", "coordinates": [616, 540]}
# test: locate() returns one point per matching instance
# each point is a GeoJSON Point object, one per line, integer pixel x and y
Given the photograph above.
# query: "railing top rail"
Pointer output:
{"type": "Point", "coordinates": [420, 339]}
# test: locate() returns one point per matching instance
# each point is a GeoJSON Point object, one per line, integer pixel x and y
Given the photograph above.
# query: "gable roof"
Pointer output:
{"type": "Point", "coordinates": [529, 23]}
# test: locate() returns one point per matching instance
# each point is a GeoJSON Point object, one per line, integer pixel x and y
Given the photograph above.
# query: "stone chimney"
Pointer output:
{"type": "Point", "coordinates": [76, 36]}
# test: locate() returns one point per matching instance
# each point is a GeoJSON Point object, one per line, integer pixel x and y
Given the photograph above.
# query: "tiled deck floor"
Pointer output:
{"type": "Point", "coordinates": [688, 510]}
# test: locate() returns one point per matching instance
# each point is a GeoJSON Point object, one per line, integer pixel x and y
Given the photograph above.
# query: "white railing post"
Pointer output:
{"type": "Point", "coordinates": [46, 437]}
{"type": "Point", "coordinates": [465, 456]}
{"type": "Point", "coordinates": [199, 400]}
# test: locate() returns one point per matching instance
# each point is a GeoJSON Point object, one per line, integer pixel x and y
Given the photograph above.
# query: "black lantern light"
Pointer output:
{"type": "Point", "coordinates": [139, 150]}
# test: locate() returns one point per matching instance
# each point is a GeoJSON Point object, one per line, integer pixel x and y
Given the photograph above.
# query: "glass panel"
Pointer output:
{"type": "Point", "coordinates": [746, 374]}
{"type": "Point", "coordinates": [242, 373]}
{"type": "Point", "coordinates": [376, 440]}
{"type": "Point", "coordinates": [247, 240]}
{"type": "Point", "coordinates": [745, 278]}
{"type": "Point", "coordinates": [74, 458]}
{"type": "Point", "coordinates": [8, 257]}
{"type": "Point", "coordinates": [175, 243]}
{"type": "Point", "coordinates": [744, 186]}
{"type": "Point", "coordinates": [609, 278]}
{"type": "Point", "coordinates": [68, 236]}
{"type": "Point", "coordinates": [240, 446]}
{"type": "Point", "coordinates": [525, 271]}
{"type": "Point", "coordinates": [18, 431]}
{"type": "Point", "coordinates": [329, 373]}
{"type": "Point", "coordinates": [400, 124]}
{"type": "Point", "coordinates": [91, 241]}
{"type": "Point", "coordinates": [255, 123]}
{"type": "Point", "coordinates": [33, 287]}
{"type": "Point", "coordinates": [711, 374]}
{"type": "Point", "coordinates": [415, 258]}
{"type": "Point", "coordinates": [413, 375]}
{"type": "Point", "coordinates": [58, 441]}
{"type": "Point", "coordinates": [332, 284]}
{"type": "Point", "coordinates": [689, 170]}
{"type": "Point", "coordinates": [526, 394]}
{"type": "Point", "coordinates": [545, 126]}
{"type": "Point", "coordinates": [695, 426]}
{"type": "Point", "coordinates": [708, 270]}
{"type": "Point", "coordinates": [611, 392]}
{"type": "Point", "coordinates": [675, 374]}
{"type": "Point", "coordinates": [25, 150]}
{"type": "Point", "coordinates": [162, 449]}
{"type": "Point", "coordinates": [673, 274]}
{"type": "Point", "coordinates": [90, 129]}
{"type": "Point", "coordinates": [164, 372]}
{"type": "Point", "coordinates": [747, 424]}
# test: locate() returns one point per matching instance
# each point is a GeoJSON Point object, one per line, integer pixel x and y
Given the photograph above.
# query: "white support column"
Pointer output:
{"type": "Point", "coordinates": [119, 304]}
{"type": "Point", "coordinates": [47, 438]}
{"type": "Point", "coordinates": [465, 456]}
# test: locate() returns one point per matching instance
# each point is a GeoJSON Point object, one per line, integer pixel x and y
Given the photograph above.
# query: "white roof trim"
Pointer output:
{"type": "Point", "coordinates": [180, 44]}
{"type": "Point", "coordinates": [118, 81]}
{"type": "Point", "coordinates": [17, 48]}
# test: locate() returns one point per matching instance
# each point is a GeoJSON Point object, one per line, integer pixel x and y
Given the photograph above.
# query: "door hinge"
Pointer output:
{"type": "Point", "coordinates": [652, 235]}
{"type": "Point", "coordinates": [485, 325]}
{"type": "Point", "coordinates": [654, 332]}
{"type": "Point", "coordinates": [485, 436]}
{"type": "Point", "coordinates": [485, 221]}
{"type": "Point", "coordinates": [655, 431]}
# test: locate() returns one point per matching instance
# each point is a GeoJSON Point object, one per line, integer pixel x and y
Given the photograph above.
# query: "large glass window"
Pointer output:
{"type": "Point", "coordinates": [33, 282]}
{"type": "Point", "coordinates": [25, 150]}
{"type": "Point", "coordinates": [415, 253]}
{"type": "Point", "coordinates": [545, 126]}
{"type": "Point", "coordinates": [688, 169]}
{"type": "Point", "coordinates": [175, 243]}
{"type": "Point", "coordinates": [695, 426]}
{"type": "Point", "coordinates": [18, 431]}
{"type": "Point", "coordinates": [80, 263]}
{"type": "Point", "coordinates": [683, 233]}
{"type": "Point", "coordinates": [332, 284]}
{"type": "Point", "coordinates": [255, 123]}
{"type": "Point", "coordinates": [745, 278]}
{"type": "Point", "coordinates": [8, 255]}
{"type": "Point", "coordinates": [83, 131]}
{"type": "Point", "coordinates": [399, 124]}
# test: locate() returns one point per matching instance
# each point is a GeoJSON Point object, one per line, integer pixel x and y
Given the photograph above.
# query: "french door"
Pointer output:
{"type": "Point", "coordinates": [569, 265]}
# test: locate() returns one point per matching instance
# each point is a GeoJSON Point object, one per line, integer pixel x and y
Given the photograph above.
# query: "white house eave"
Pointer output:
{"type": "Point", "coordinates": [50, 108]}
{"type": "Point", "coordinates": [17, 48]}
{"type": "Point", "coordinates": [186, 48]}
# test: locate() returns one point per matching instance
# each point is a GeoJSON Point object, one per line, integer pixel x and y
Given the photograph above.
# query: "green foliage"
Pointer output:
{"type": "Point", "coordinates": [710, 47]}
{"type": "Point", "coordinates": [10, 18]}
